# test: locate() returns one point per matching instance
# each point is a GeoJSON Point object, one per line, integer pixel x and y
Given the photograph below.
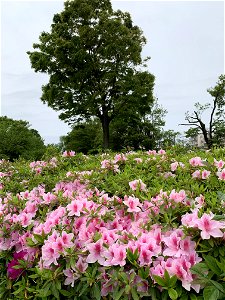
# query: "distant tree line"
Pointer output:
{"type": "Point", "coordinates": [19, 140]}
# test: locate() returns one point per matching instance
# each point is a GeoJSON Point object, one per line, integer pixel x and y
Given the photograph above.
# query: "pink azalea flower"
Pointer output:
{"type": "Point", "coordinates": [74, 208]}
{"type": "Point", "coordinates": [181, 270]}
{"type": "Point", "coordinates": [196, 174]}
{"type": "Point", "coordinates": [196, 161]}
{"type": "Point", "coordinates": [25, 219]}
{"type": "Point", "coordinates": [199, 201]}
{"type": "Point", "coordinates": [67, 239]}
{"type": "Point", "coordinates": [71, 276]}
{"type": "Point", "coordinates": [132, 203]}
{"type": "Point", "coordinates": [168, 174]}
{"type": "Point", "coordinates": [174, 166]}
{"type": "Point", "coordinates": [58, 245]}
{"type": "Point", "coordinates": [190, 220]}
{"type": "Point", "coordinates": [49, 254]}
{"type": "Point", "coordinates": [48, 198]}
{"type": "Point", "coordinates": [138, 183]}
{"type": "Point", "coordinates": [30, 208]}
{"type": "Point", "coordinates": [81, 265]}
{"type": "Point", "coordinates": [97, 252]}
{"type": "Point", "coordinates": [105, 164]}
{"type": "Point", "coordinates": [109, 236]}
{"type": "Point", "coordinates": [138, 160]}
{"type": "Point", "coordinates": [186, 246]}
{"type": "Point", "coordinates": [221, 174]}
{"type": "Point", "coordinates": [205, 174]}
{"type": "Point", "coordinates": [158, 270]}
{"type": "Point", "coordinates": [173, 244]}
{"type": "Point", "coordinates": [209, 227]}
{"type": "Point", "coordinates": [116, 255]}
{"type": "Point", "coordinates": [151, 152]}
{"type": "Point", "coordinates": [119, 157]}
{"type": "Point", "coordinates": [219, 164]}
{"type": "Point", "coordinates": [193, 258]}
{"type": "Point", "coordinates": [68, 153]}
{"type": "Point", "coordinates": [145, 257]}
{"type": "Point", "coordinates": [161, 152]}
{"type": "Point", "coordinates": [177, 197]}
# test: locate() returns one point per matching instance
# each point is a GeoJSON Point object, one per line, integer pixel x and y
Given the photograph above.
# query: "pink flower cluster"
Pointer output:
{"type": "Point", "coordinates": [154, 152]}
{"type": "Point", "coordinates": [48, 227]}
{"type": "Point", "coordinates": [205, 224]}
{"type": "Point", "coordinates": [68, 153]}
{"type": "Point", "coordinates": [137, 184]}
{"type": "Point", "coordinates": [110, 165]}
{"type": "Point", "coordinates": [38, 166]}
{"type": "Point", "coordinates": [201, 174]}
{"type": "Point", "coordinates": [196, 161]}
{"type": "Point", "coordinates": [175, 165]}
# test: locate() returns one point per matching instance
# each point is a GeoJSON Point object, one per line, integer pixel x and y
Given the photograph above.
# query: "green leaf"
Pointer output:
{"type": "Point", "coordinates": [153, 293]}
{"type": "Point", "coordinates": [134, 294]}
{"type": "Point", "coordinates": [218, 286]}
{"type": "Point", "coordinates": [55, 291]}
{"type": "Point", "coordinates": [160, 280]}
{"type": "Point", "coordinates": [18, 290]}
{"type": "Point", "coordinates": [211, 293]}
{"type": "Point", "coordinates": [219, 218]}
{"type": "Point", "coordinates": [96, 291]}
{"type": "Point", "coordinates": [193, 297]}
{"type": "Point", "coordinates": [45, 291]}
{"type": "Point", "coordinates": [84, 288]}
{"type": "Point", "coordinates": [119, 294]}
{"type": "Point", "coordinates": [65, 293]}
{"type": "Point", "coordinates": [124, 277]}
{"type": "Point", "coordinates": [127, 289]}
{"type": "Point", "coordinates": [164, 295]}
{"type": "Point", "coordinates": [212, 264]}
{"type": "Point", "coordinates": [30, 242]}
{"type": "Point", "coordinates": [173, 294]}
{"type": "Point", "coordinates": [173, 281]}
{"type": "Point", "coordinates": [199, 269]}
{"type": "Point", "coordinates": [167, 278]}
{"type": "Point", "coordinates": [38, 238]}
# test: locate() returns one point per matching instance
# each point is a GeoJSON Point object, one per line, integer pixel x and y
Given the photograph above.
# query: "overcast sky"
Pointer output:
{"type": "Point", "coordinates": [185, 40]}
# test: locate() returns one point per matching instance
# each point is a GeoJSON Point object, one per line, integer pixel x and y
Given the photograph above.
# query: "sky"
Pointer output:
{"type": "Point", "coordinates": [185, 40]}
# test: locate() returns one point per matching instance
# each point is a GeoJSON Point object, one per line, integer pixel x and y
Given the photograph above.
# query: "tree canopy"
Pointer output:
{"type": "Point", "coordinates": [18, 140]}
{"type": "Point", "coordinates": [92, 55]}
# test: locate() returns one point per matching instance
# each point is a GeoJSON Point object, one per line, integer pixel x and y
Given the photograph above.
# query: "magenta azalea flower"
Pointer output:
{"type": "Point", "coordinates": [11, 271]}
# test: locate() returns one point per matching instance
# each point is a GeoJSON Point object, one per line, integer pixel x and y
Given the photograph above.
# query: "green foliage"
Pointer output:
{"type": "Point", "coordinates": [93, 57]}
{"type": "Point", "coordinates": [18, 140]}
{"type": "Point", "coordinates": [129, 130]}
{"type": "Point", "coordinates": [85, 138]}
{"type": "Point", "coordinates": [135, 130]}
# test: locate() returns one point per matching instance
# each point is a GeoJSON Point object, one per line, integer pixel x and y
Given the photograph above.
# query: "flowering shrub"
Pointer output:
{"type": "Point", "coordinates": [114, 226]}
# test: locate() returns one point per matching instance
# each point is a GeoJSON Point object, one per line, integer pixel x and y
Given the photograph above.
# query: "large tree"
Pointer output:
{"type": "Point", "coordinates": [214, 130]}
{"type": "Point", "coordinates": [93, 58]}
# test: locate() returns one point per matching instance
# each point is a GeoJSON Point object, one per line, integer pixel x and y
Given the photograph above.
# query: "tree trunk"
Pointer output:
{"type": "Point", "coordinates": [205, 135]}
{"type": "Point", "coordinates": [105, 127]}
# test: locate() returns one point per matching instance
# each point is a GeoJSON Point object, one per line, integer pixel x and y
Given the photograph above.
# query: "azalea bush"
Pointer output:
{"type": "Point", "coordinates": [114, 226]}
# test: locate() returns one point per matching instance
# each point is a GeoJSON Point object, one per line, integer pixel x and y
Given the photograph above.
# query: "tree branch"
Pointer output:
{"type": "Point", "coordinates": [211, 116]}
